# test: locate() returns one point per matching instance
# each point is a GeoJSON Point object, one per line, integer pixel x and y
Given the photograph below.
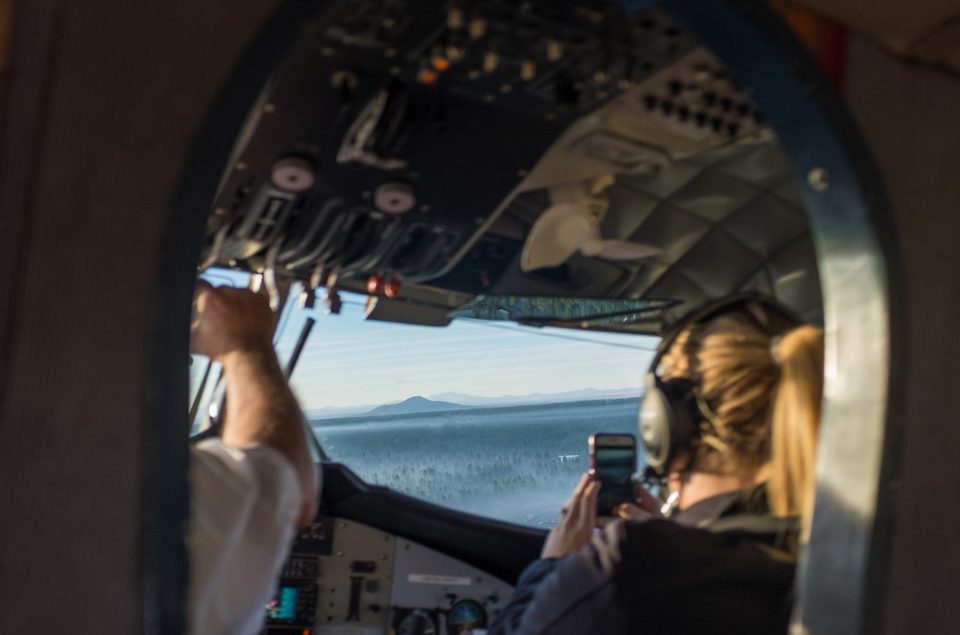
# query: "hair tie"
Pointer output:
{"type": "Point", "coordinates": [775, 349]}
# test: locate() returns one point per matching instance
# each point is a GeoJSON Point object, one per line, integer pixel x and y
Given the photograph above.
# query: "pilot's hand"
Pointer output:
{"type": "Point", "coordinates": [646, 506]}
{"type": "Point", "coordinates": [228, 320]}
{"type": "Point", "coordinates": [575, 527]}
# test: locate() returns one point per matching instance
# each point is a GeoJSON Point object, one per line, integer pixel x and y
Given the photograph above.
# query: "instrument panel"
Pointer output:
{"type": "Point", "coordinates": [346, 578]}
{"type": "Point", "coordinates": [365, 152]}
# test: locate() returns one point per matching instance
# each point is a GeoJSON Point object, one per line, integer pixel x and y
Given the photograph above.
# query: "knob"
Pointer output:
{"type": "Point", "coordinates": [375, 284]}
{"type": "Point", "coordinates": [392, 288]}
{"type": "Point", "coordinates": [293, 174]}
{"type": "Point", "coordinates": [394, 198]}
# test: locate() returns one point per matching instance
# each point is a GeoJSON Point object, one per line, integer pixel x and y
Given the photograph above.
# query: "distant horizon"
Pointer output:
{"type": "Point", "coordinates": [378, 415]}
{"type": "Point", "coordinates": [488, 401]}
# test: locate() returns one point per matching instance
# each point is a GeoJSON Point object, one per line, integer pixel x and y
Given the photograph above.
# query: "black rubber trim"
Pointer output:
{"type": "Point", "coordinates": [31, 58]}
{"type": "Point", "coordinates": [501, 549]}
{"type": "Point", "coordinates": [165, 450]}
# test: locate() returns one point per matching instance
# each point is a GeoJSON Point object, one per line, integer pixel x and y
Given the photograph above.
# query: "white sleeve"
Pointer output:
{"type": "Point", "coordinates": [244, 507]}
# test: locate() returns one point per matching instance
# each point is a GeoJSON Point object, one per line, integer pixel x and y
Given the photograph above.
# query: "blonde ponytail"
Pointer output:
{"type": "Point", "coordinates": [795, 422]}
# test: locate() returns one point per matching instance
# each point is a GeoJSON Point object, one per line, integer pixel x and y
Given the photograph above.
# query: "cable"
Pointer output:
{"type": "Point", "coordinates": [531, 331]}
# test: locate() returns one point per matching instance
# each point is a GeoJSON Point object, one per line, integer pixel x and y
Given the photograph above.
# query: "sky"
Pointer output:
{"type": "Point", "coordinates": [349, 361]}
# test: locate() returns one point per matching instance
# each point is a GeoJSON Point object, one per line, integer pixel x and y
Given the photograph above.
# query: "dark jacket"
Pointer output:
{"type": "Point", "coordinates": [665, 576]}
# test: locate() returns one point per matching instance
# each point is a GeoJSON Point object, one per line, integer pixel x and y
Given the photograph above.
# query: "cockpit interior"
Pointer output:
{"type": "Point", "coordinates": [587, 170]}
{"type": "Point", "coordinates": [592, 153]}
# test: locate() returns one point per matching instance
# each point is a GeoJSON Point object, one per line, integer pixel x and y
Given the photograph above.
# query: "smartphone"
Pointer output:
{"type": "Point", "coordinates": [613, 460]}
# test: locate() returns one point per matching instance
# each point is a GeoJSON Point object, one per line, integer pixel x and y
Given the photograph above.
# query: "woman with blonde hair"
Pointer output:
{"type": "Point", "coordinates": [729, 422]}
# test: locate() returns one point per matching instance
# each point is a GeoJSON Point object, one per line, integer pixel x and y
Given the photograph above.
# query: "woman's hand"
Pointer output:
{"type": "Point", "coordinates": [646, 506]}
{"type": "Point", "coordinates": [578, 518]}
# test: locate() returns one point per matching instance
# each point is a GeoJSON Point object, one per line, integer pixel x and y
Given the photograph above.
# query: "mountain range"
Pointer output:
{"type": "Point", "coordinates": [457, 401]}
{"type": "Point", "coordinates": [415, 405]}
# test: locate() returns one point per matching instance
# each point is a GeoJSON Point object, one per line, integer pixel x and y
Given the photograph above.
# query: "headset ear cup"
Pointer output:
{"type": "Point", "coordinates": [654, 428]}
{"type": "Point", "coordinates": [667, 420]}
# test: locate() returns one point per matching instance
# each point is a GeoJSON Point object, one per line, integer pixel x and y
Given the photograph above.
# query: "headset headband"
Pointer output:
{"type": "Point", "coordinates": [730, 304]}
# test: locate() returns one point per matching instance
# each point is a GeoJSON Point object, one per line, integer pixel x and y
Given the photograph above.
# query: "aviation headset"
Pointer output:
{"type": "Point", "coordinates": [670, 414]}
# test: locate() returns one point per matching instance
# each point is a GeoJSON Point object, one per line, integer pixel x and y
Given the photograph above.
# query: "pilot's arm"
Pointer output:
{"type": "Point", "coordinates": [252, 487]}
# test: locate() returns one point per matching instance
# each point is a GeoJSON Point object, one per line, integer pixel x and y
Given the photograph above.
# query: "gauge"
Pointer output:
{"type": "Point", "coordinates": [464, 617]}
{"type": "Point", "coordinates": [417, 622]}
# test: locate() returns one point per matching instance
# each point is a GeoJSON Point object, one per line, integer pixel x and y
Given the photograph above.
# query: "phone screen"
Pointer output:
{"type": "Point", "coordinates": [613, 467]}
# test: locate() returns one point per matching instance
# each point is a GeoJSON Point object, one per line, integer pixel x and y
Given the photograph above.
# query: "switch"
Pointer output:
{"type": "Point", "coordinates": [455, 18]}
{"type": "Point", "coordinates": [478, 28]}
{"type": "Point", "coordinates": [528, 70]}
{"type": "Point", "coordinates": [490, 61]}
{"type": "Point", "coordinates": [554, 50]}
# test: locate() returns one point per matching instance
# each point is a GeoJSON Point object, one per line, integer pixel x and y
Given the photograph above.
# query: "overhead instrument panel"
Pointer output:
{"type": "Point", "coordinates": [395, 129]}
{"type": "Point", "coordinates": [405, 147]}
{"type": "Point", "coordinates": [346, 578]}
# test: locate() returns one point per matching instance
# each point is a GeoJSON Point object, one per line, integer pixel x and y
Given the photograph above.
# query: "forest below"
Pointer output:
{"type": "Point", "coordinates": [514, 463]}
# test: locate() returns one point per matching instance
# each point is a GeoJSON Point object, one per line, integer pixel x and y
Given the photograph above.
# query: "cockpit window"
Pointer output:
{"type": "Point", "coordinates": [487, 418]}
{"type": "Point", "coordinates": [490, 418]}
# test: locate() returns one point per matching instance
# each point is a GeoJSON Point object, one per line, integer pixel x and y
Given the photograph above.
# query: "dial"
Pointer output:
{"type": "Point", "coordinates": [465, 616]}
{"type": "Point", "coordinates": [417, 622]}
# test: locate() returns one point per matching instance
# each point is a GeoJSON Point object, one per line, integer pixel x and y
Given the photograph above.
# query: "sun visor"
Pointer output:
{"type": "Point", "coordinates": [403, 311]}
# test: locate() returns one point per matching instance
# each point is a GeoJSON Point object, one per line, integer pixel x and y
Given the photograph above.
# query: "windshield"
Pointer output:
{"type": "Point", "coordinates": [487, 418]}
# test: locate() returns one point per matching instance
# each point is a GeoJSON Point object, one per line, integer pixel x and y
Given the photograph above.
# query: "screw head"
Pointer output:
{"type": "Point", "coordinates": [818, 179]}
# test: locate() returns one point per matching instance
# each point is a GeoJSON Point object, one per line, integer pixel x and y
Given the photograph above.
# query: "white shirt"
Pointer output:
{"type": "Point", "coordinates": [244, 507]}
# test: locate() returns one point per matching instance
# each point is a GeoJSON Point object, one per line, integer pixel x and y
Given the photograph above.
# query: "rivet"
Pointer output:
{"type": "Point", "coordinates": [818, 179]}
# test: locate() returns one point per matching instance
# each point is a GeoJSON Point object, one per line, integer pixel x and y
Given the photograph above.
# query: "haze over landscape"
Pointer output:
{"type": "Point", "coordinates": [352, 363]}
{"type": "Point", "coordinates": [458, 401]}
